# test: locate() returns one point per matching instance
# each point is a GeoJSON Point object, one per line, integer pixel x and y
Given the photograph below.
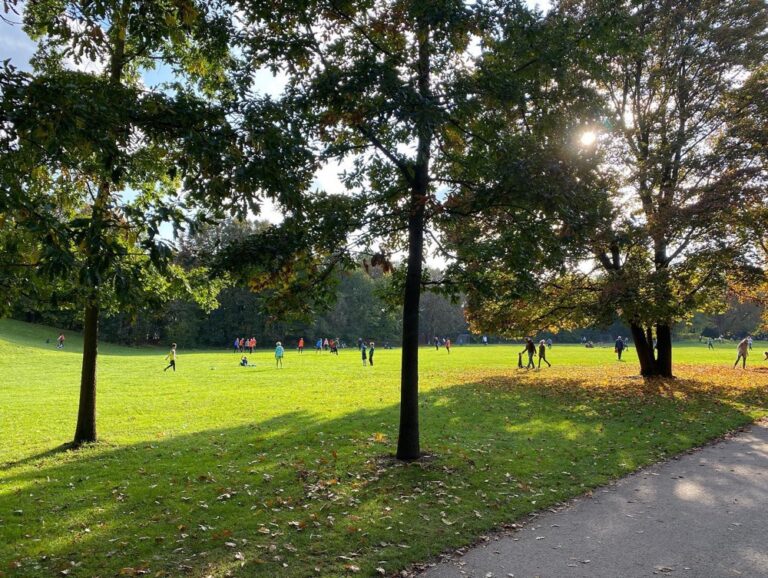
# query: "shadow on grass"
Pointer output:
{"type": "Point", "coordinates": [294, 495]}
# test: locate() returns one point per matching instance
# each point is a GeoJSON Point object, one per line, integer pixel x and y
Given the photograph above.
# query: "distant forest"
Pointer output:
{"type": "Point", "coordinates": [364, 306]}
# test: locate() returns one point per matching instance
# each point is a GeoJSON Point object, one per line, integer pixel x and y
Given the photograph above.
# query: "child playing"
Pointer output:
{"type": "Point", "coordinates": [279, 352]}
{"type": "Point", "coordinates": [172, 358]}
{"type": "Point", "coordinates": [362, 350]}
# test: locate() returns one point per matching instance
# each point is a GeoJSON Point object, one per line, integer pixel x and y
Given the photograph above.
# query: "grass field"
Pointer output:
{"type": "Point", "coordinates": [223, 470]}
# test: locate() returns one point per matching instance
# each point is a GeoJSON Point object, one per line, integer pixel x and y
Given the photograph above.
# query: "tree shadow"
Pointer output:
{"type": "Point", "coordinates": [262, 497]}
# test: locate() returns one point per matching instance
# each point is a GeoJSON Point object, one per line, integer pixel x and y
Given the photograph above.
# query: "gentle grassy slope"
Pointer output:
{"type": "Point", "coordinates": [271, 472]}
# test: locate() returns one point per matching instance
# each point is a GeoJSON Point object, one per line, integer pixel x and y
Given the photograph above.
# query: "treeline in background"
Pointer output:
{"type": "Point", "coordinates": [364, 307]}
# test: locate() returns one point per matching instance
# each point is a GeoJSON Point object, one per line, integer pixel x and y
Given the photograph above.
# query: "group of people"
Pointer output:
{"type": "Point", "coordinates": [445, 341]}
{"type": "Point", "coordinates": [742, 351]}
{"type": "Point", "coordinates": [323, 344]}
{"type": "Point", "coordinates": [241, 344]}
{"type": "Point", "coordinates": [530, 349]}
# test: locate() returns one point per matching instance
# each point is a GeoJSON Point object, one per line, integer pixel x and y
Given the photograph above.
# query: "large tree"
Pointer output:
{"type": "Point", "coordinates": [92, 161]}
{"type": "Point", "coordinates": [388, 90]}
{"type": "Point", "coordinates": [666, 245]}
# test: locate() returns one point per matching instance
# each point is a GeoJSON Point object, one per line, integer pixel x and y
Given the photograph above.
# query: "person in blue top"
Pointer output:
{"type": "Point", "coordinates": [319, 345]}
{"type": "Point", "coordinates": [364, 352]}
{"type": "Point", "coordinates": [279, 352]}
{"type": "Point", "coordinates": [619, 346]}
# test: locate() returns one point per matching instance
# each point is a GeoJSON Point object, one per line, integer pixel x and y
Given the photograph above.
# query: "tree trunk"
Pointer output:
{"type": "Point", "coordinates": [408, 436]}
{"type": "Point", "coordinates": [86, 415]}
{"type": "Point", "coordinates": [644, 349]}
{"type": "Point", "coordinates": [664, 350]}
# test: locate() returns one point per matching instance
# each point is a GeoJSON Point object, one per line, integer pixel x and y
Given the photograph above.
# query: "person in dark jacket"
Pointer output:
{"type": "Point", "coordinates": [619, 346]}
{"type": "Point", "coordinates": [530, 349]}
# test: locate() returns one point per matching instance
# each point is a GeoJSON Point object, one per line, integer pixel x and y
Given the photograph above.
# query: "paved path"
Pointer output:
{"type": "Point", "coordinates": [702, 515]}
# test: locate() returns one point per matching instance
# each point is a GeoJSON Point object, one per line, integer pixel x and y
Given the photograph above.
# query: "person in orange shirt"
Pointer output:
{"type": "Point", "coordinates": [301, 344]}
{"type": "Point", "coordinates": [251, 344]}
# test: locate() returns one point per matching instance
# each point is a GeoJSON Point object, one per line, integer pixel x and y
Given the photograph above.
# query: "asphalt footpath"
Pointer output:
{"type": "Point", "coordinates": [702, 514]}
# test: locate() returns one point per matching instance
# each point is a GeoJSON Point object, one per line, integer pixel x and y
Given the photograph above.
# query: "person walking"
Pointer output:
{"type": "Point", "coordinates": [279, 352]}
{"type": "Point", "coordinates": [619, 347]}
{"type": "Point", "coordinates": [530, 349]}
{"type": "Point", "coordinates": [60, 341]}
{"type": "Point", "coordinates": [371, 348]}
{"type": "Point", "coordinates": [448, 344]}
{"type": "Point", "coordinates": [742, 350]}
{"type": "Point", "coordinates": [251, 345]}
{"type": "Point", "coordinates": [543, 353]}
{"type": "Point", "coordinates": [242, 345]}
{"type": "Point", "coordinates": [171, 357]}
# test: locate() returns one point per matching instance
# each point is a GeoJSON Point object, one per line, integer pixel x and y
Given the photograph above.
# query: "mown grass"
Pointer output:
{"type": "Point", "coordinates": [219, 470]}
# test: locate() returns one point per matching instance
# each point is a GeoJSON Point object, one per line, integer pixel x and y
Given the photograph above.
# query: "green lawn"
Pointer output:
{"type": "Point", "coordinates": [220, 469]}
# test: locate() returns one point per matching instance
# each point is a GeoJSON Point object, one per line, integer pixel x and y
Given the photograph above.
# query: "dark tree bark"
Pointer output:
{"type": "Point", "coordinates": [408, 437]}
{"type": "Point", "coordinates": [86, 415]}
{"type": "Point", "coordinates": [664, 350]}
{"type": "Point", "coordinates": [653, 363]}
{"type": "Point", "coordinates": [644, 349]}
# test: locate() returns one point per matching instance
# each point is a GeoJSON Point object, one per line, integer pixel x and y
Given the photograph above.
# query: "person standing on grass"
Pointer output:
{"type": "Point", "coordinates": [371, 347]}
{"type": "Point", "coordinates": [530, 349]}
{"type": "Point", "coordinates": [171, 357]}
{"type": "Point", "coordinates": [301, 345]}
{"type": "Point", "coordinates": [364, 353]}
{"type": "Point", "coordinates": [60, 341]}
{"type": "Point", "coordinates": [448, 345]}
{"type": "Point", "coordinates": [543, 353]}
{"type": "Point", "coordinates": [237, 345]}
{"type": "Point", "coordinates": [485, 340]}
{"type": "Point", "coordinates": [742, 350]}
{"type": "Point", "coordinates": [710, 343]}
{"type": "Point", "coordinates": [319, 345]}
{"type": "Point", "coordinates": [749, 342]}
{"type": "Point", "coordinates": [619, 347]}
{"type": "Point", "coordinates": [549, 343]}
{"type": "Point", "coordinates": [279, 352]}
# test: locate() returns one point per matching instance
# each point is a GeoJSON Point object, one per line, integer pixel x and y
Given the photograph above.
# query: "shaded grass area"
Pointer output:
{"type": "Point", "coordinates": [219, 469]}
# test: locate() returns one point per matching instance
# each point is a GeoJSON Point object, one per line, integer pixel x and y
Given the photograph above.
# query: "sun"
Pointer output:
{"type": "Point", "coordinates": [588, 138]}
